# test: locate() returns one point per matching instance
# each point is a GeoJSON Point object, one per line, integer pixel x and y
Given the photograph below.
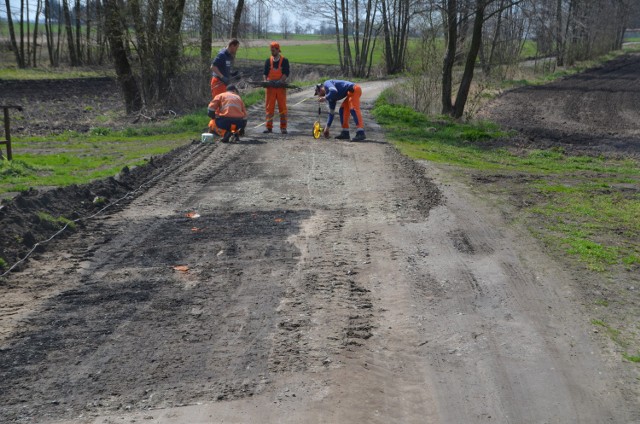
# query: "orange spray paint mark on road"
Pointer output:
{"type": "Point", "coordinates": [181, 268]}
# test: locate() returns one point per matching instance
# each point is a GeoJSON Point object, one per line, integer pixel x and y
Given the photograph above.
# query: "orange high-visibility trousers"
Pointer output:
{"type": "Point", "coordinates": [217, 87]}
{"type": "Point", "coordinates": [214, 129]}
{"type": "Point", "coordinates": [278, 95]}
{"type": "Point", "coordinates": [352, 103]}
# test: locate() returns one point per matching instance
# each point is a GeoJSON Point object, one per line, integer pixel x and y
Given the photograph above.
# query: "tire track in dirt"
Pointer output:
{"type": "Point", "coordinates": [502, 343]}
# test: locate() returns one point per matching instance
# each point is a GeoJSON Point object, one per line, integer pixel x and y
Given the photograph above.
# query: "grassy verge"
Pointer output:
{"type": "Point", "coordinates": [585, 209]}
{"type": "Point", "coordinates": [42, 73]}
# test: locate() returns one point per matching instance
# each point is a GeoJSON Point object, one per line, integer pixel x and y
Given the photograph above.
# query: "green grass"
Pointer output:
{"type": "Point", "coordinates": [58, 222]}
{"type": "Point", "coordinates": [611, 332]}
{"type": "Point", "coordinates": [3, 263]}
{"type": "Point", "coordinates": [13, 73]}
{"type": "Point", "coordinates": [317, 54]}
{"type": "Point", "coordinates": [581, 201]}
{"type": "Point", "coordinates": [616, 336]}
{"type": "Point", "coordinates": [76, 159]}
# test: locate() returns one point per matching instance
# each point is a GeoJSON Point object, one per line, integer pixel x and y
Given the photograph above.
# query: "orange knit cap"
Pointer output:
{"type": "Point", "coordinates": [276, 45]}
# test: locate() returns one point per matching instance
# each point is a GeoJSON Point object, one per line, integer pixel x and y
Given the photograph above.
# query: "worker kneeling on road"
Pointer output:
{"type": "Point", "coordinates": [333, 90]}
{"type": "Point", "coordinates": [228, 114]}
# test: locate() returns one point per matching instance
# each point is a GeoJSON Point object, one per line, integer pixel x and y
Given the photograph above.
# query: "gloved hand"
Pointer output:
{"type": "Point", "coordinates": [225, 80]}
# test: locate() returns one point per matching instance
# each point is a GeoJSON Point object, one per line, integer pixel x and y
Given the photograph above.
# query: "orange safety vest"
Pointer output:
{"type": "Point", "coordinates": [228, 105]}
{"type": "Point", "coordinates": [275, 74]}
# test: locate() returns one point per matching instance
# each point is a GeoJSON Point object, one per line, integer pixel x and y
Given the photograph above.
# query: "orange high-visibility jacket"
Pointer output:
{"type": "Point", "coordinates": [228, 105]}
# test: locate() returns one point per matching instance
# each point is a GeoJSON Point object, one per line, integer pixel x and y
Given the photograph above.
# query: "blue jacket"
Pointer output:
{"type": "Point", "coordinates": [335, 90]}
{"type": "Point", "coordinates": [223, 61]}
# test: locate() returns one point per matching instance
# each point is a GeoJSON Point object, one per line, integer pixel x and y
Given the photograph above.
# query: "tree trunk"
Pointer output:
{"type": "Point", "coordinates": [12, 36]}
{"type": "Point", "coordinates": [67, 24]}
{"type": "Point", "coordinates": [88, 34]}
{"type": "Point", "coordinates": [35, 31]}
{"type": "Point", "coordinates": [450, 56]}
{"type": "Point", "coordinates": [78, 32]}
{"type": "Point", "coordinates": [172, 14]}
{"type": "Point", "coordinates": [206, 30]}
{"type": "Point", "coordinates": [337, 26]}
{"type": "Point", "coordinates": [487, 65]}
{"type": "Point", "coordinates": [559, 38]}
{"type": "Point", "coordinates": [22, 24]}
{"type": "Point", "coordinates": [236, 19]}
{"type": "Point", "coordinates": [115, 34]}
{"type": "Point", "coordinates": [346, 48]}
{"type": "Point", "coordinates": [388, 57]}
{"type": "Point", "coordinates": [467, 77]}
{"type": "Point", "coordinates": [48, 31]}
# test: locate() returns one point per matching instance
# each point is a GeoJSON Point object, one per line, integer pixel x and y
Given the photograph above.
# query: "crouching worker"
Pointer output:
{"type": "Point", "coordinates": [228, 114]}
{"type": "Point", "coordinates": [331, 92]}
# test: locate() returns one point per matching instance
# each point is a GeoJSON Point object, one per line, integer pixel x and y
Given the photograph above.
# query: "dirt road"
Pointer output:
{"type": "Point", "coordinates": [327, 282]}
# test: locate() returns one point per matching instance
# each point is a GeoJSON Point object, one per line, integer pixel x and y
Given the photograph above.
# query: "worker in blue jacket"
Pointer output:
{"type": "Point", "coordinates": [221, 68]}
{"type": "Point", "coordinates": [333, 90]}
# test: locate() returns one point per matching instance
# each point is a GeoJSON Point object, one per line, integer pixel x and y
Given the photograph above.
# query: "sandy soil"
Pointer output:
{"type": "Point", "coordinates": [324, 281]}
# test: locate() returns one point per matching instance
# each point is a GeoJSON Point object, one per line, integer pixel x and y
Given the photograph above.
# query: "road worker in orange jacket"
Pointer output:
{"type": "Point", "coordinates": [276, 69]}
{"type": "Point", "coordinates": [228, 114]}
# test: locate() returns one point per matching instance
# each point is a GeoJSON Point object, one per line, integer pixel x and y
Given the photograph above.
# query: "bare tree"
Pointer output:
{"type": "Point", "coordinates": [69, 32]}
{"type": "Point", "coordinates": [48, 28]}
{"type": "Point", "coordinates": [395, 23]}
{"type": "Point", "coordinates": [206, 31]}
{"type": "Point", "coordinates": [457, 13]}
{"type": "Point", "coordinates": [115, 31]}
{"type": "Point", "coordinates": [285, 25]}
{"type": "Point", "coordinates": [355, 22]}
{"type": "Point", "coordinates": [12, 36]}
{"type": "Point", "coordinates": [35, 32]}
{"type": "Point", "coordinates": [236, 19]}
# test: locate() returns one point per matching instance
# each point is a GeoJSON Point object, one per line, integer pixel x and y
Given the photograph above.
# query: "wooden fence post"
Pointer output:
{"type": "Point", "coordinates": [7, 129]}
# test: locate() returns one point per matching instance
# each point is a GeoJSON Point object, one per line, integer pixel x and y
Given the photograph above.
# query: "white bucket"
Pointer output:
{"type": "Point", "coordinates": [207, 138]}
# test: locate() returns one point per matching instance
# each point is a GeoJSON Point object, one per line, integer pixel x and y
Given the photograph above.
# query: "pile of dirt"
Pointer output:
{"type": "Point", "coordinates": [580, 114]}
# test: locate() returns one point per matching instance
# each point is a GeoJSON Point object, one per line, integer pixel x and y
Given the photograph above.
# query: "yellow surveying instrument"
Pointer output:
{"type": "Point", "coordinates": [317, 128]}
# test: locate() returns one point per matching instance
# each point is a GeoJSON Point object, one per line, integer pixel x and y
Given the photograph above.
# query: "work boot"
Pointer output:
{"type": "Point", "coordinates": [359, 136]}
{"type": "Point", "coordinates": [267, 131]}
{"type": "Point", "coordinates": [226, 137]}
{"type": "Point", "coordinates": [283, 130]}
{"type": "Point", "coordinates": [344, 135]}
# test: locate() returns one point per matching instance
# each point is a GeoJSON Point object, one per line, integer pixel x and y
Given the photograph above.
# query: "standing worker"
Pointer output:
{"type": "Point", "coordinates": [221, 68]}
{"type": "Point", "coordinates": [227, 111]}
{"type": "Point", "coordinates": [332, 91]}
{"type": "Point", "coordinates": [276, 69]}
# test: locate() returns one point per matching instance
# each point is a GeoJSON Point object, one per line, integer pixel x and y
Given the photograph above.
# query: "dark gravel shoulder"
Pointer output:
{"type": "Point", "coordinates": [34, 216]}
